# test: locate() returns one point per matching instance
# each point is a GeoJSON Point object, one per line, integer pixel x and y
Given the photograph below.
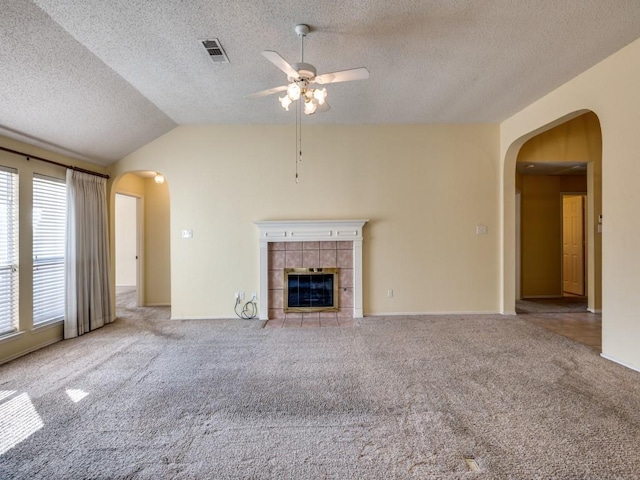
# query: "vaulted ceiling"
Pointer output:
{"type": "Point", "coordinates": [97, 79]}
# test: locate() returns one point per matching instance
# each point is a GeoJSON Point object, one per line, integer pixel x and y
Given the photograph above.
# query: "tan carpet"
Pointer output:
{"type": "Point", "coordinates": [394, 398]}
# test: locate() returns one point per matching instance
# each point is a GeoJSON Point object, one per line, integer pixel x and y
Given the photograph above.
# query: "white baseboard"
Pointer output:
{"type": "Point", "coordinates": [128, 286]}
{"type": "Point", "coordinates": [209, 317]}
{"type": "Point", "coordinates": [157, 305]}
{"type": "Point", "coordinates": [631, 367]}
{"type": "Point", "coordinates": [413, 314]}
{"type": "Point", "coordinates": [594, 310]}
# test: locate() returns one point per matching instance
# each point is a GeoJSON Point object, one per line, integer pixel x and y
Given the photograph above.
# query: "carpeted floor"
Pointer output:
{"type": "Point", "coordinates": [396, 398]}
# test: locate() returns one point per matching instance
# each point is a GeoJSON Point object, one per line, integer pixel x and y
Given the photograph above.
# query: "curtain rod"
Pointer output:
{"type": "Point", "coordinates": [77, 169]}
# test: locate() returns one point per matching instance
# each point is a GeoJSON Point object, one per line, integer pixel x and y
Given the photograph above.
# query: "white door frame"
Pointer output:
{"type": "Point", "coordinates": [518, 244]}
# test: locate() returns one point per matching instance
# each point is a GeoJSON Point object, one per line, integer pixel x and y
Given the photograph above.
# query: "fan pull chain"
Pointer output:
{"type": "Point", "coordinates": [298, 139]}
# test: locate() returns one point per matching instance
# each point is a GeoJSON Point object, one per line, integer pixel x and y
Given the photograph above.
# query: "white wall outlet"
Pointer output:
{"type": "Point", "coordinates": [241, 295]}
{"type": "Point", "coordinates": [236, 295]}
{"type": "Point", "coordinates": [187, 233]}
{"type": "Point", "coordinates": [389, 293]}
{"type": "Point", "coordinates": [254, 296]}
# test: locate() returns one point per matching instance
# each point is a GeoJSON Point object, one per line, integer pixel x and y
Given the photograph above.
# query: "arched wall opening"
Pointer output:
{"type": "Point", "coordinates": [561, 165]}
{"type": "Point", "coordinates": [153, 262]}
{"type": "Point", "coordinates": [508, 213]}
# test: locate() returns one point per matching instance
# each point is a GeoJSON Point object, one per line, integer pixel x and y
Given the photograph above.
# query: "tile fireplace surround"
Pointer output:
{"type": "Point", "coordinates": [311, 243]}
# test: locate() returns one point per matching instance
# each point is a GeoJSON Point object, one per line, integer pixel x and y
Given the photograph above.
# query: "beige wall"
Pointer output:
{"type": "Point", "coordinates": [157, 243]}
{"type": "Point", "coordinates": [577, 140]}
{"type": "Point", "coordinates": [28, 338]}
{"type": "Point", "coordinates": [155, 258]}
{"type": "Point", "coordinates": [423, 187]}
{"type": "Point", "coordinates": [609, 89]}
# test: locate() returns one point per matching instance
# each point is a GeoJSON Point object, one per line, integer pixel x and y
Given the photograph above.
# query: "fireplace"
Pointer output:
{"type": "Point", "coordinates": [311, 290]}
{"type": "Point", "coordinates": [314, 244]}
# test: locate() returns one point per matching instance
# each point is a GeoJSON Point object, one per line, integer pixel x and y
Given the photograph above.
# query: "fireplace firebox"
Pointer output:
{"type": "Point", "coordinates": [310, 289]}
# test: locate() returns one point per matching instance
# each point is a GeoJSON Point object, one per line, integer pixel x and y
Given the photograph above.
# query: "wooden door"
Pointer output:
{"type": "Point", "coordinates": [573, 244]}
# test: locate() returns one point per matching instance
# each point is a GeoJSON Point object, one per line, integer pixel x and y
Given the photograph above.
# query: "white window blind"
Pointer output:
{"type": "Point", "coordinates": [8, 249]}
{"type": "Point", "coordinates": [49, 225]}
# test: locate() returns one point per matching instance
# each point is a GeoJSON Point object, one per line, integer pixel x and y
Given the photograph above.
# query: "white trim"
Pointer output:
{"type": "Point", "coordinates": [594, 310]}
{"type": "Point", "coordinates": [30, 350]}
{"type": "Point", "coordinates": [413, 314]}
{"type": "Point", "coordinates": [7, 337]}
{"type": "Point", "coordinates": [631, 367]}
{"type": "Point", "coordinates": [310, 231]}
{"type": "Point", "coordinates": [48, 325]}
{"type": "Point", "coordinates": [211, 317]}
{"type": "Point", "coordinates": [518, 244]}
{"type": "Point", "coordinates": [157, 305]}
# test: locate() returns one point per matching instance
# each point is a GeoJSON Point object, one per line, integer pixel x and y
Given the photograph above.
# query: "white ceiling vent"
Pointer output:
{"type": "Point", "coordinates": [215, 51]}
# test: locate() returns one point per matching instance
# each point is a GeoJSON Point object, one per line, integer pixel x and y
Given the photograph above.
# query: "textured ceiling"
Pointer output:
{"type": "Point", "coordinates": [99, 79]}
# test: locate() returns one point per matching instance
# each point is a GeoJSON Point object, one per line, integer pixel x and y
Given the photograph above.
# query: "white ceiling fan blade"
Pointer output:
{"type": "Point", "coordinates": [342, 76]}
{"type": "Point", "coordinates": [281, 63]}
{"type": "Point", "coordinates": [270, 91]}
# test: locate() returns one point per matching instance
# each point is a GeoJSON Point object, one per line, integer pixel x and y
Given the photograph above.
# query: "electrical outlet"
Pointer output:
{"type": "Point", "coordinates": [236, 295]}
{"type": "Point", "coordinates": [241, 295]}
{"type": "Point", "coordinates": [389, 293]}
{"type": "Point", "coordinates": [253, 296]}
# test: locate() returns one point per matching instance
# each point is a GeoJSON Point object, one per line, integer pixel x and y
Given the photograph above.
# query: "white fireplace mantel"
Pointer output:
{"type": "Point", "coordinates": [310, 231]}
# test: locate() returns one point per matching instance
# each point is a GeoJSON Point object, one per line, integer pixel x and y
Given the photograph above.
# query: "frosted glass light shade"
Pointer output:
{"type": "Point", "coordinates": [293, 91]}
{"type": "Point", "coordinates": [310, 107]}
{"type": "Point", "coordinates": [320, 95]}
{"type": "Point", "coordinates": [285, 102]}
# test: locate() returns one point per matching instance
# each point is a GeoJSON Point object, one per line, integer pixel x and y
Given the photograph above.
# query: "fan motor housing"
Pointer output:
{"type": "Point", "coordinates": [305, 70]}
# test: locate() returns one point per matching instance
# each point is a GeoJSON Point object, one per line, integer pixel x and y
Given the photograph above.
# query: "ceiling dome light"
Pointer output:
{"type": "Point", "coordinates": [159, 178]}
{"type": "Point", "coordinates": [320, 94]}
{"type": "Point", "coordinates": [293, 91]}
{"type": "Point", "coordinates": [285, 102]}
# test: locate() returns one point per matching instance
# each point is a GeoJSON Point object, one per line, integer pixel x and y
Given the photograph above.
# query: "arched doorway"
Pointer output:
{"type": "Point", "coordinates": [559, 164]}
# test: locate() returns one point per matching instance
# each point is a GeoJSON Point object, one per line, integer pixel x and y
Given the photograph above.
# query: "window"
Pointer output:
{"type": "Point", "coordinates": [8, 249]}
{"type": "Point", "coordinates": [49, 225]}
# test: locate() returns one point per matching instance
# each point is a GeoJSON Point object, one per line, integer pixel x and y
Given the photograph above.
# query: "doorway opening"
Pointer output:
{"type": "Point", "coordinates": [128, 233]}
{"type": "Point", "coordinates": [141, 239]}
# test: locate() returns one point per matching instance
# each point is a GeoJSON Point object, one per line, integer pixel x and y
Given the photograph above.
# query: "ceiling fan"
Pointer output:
{"type": "Point", "coordinates": [304, 83]}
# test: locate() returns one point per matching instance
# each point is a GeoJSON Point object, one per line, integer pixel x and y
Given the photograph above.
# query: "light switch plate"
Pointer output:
{"type": "Point", "coordinates": [187, 233]}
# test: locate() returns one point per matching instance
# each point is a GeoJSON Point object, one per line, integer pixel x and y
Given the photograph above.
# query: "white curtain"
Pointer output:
{"type": "Point", "coordinates": [87, 265]}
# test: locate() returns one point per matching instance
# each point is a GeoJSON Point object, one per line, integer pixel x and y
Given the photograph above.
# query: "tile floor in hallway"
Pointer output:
{"type": "Point", "coordinates": [582, 327]}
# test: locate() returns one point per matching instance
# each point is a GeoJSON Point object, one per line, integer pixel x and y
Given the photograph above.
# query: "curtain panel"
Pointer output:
{"type": "Point", "coordinates": [87, 264]}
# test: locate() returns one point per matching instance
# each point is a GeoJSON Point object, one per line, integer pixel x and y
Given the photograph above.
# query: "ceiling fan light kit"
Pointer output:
{"type": "Point", "coordinates": [303, 79]}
